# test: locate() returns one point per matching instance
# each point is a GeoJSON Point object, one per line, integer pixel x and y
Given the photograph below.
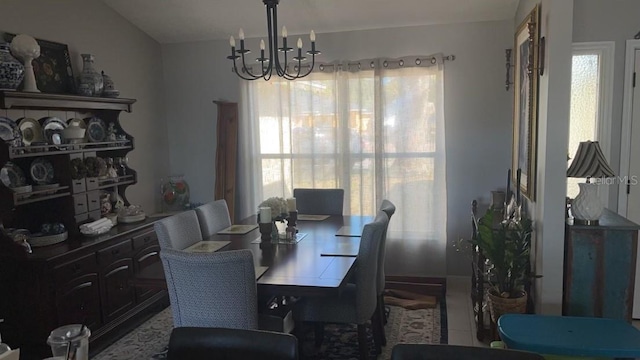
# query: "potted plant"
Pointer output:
{"type": "Point", "coordinates": [506, 245]}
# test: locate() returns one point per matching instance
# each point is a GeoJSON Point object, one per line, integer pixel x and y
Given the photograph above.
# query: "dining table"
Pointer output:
{"type": "Point", "coordinates": [319, 264]}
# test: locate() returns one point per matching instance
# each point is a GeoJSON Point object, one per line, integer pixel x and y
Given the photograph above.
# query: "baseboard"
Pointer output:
{"type": "Point", "coordinates": [434, 286]}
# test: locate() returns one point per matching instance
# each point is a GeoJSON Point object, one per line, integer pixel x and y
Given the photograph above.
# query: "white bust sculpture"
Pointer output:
{"type": "Point", "coordinates": [26, 48]}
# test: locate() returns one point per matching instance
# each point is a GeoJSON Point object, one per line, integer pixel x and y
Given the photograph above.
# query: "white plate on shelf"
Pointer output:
{"type": "Point", "coordinates": [52, 130]}
{"type": "Point", "coordinates": [31, 130]}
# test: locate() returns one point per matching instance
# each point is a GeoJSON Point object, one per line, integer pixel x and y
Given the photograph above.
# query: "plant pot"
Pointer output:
{"type": "Point", "coordinates": [499, 305]}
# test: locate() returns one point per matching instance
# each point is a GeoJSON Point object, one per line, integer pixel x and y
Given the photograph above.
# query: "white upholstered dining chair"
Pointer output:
{"type": "Point", "coordinates": [213, 217]}
{"type": "Point", "coordinates": [211, 289]}
{"type": "Point", "coordinates": [178, 231]}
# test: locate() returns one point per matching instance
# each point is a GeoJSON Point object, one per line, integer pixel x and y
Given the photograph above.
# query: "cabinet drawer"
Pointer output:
{"type": "Point", "coordinates": [80, 204]}
{"type": "Point", "coordinates": [144, 240]}
{"type": "Point", "coordinates": [78, 186]}
{"type": "Point", "coordinates": [82, 217]}
{"type": "Point", "coordinates": [93, 200]}
{"type": "Point", "coordinates": [114, 252]}
{"type": "Point", "coordinates": [92, 183]}
{"type": "Point", "coordinates": [71, 270]}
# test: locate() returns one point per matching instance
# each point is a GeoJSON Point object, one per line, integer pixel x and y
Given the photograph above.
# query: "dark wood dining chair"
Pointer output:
{"type": "Point", "coordinates": [230, 344]}
{"type": "Point", "coordinates": [319, 201]}
{"type": "Point", "coordinates": [456, 352]}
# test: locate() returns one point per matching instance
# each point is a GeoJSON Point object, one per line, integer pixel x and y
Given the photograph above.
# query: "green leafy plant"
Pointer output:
{"type": "Point", "coordinates": [506, 244]}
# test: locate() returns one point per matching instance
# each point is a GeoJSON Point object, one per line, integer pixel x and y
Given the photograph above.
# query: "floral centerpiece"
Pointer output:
{"type": "Point", "coordinates": [278, 207]}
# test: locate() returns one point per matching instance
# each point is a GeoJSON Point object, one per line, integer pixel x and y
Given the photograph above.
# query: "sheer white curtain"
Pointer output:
{"type": "Point", "coordinates": [374, 128]}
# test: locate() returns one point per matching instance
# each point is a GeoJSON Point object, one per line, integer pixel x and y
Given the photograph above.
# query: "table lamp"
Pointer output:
{"type": "Point", "coordinates": [589, 162]}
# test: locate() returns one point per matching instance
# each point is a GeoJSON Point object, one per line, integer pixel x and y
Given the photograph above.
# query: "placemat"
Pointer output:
{"type": "Point", "coordinates": [207, 246]}
{"type": "Point", "coordinates": [307, 217]}
{"type": "Point", "coordinates": [238, 229]}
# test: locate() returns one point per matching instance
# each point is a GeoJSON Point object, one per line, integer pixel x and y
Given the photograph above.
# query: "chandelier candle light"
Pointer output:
{"type": "Point", "coordinates": [268, 64]}
{"type": "Point", "coordinates": [589, 162]}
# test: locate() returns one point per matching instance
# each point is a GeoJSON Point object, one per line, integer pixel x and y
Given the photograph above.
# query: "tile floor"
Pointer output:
{"type": "Point", "coordinates": [460, 313]}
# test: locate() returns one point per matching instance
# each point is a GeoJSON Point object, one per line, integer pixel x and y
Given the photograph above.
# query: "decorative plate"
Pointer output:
{"type": "Point", "coordinates": [41, 171]}
{"type": "Point", "coordinates": [9, 131]}
{"type": "Point", "coordinates": [31, 130]}
{"type": "Point", "coordinates": [96, 130]}
{"type": "Point", "coordinates": [39, 239]}
{"type": "Point", "coordinates": [12, 176]}
{"type": "Point", "coordinates": [52, 129]}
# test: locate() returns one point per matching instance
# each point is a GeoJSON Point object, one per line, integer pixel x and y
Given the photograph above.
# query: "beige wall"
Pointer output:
{"type": "Point", "coordinates": [129, 56]}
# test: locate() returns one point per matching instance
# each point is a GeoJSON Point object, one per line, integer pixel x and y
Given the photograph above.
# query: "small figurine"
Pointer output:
{"type": "Point", "coordinates": [111, 132]}
{"type": "Point", "coordinates": [111, 171]}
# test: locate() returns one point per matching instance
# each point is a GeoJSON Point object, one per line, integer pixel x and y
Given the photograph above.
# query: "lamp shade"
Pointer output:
{"type": "Point", "coordinates": [589, 162]}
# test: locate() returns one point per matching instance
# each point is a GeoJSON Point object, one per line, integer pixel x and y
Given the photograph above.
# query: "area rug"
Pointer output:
{"type": "Point", "coordinates": [423, 326]}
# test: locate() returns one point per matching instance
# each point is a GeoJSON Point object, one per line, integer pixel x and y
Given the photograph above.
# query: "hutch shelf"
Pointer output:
{"type": "Point", "coordinates": [83, 279]}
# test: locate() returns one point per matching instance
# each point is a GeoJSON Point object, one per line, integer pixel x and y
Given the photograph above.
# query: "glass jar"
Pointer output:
{"type": "Point", "coordinates": [11, 70]}
{"type": "Point", "coordinates": [174, 193]}
{"type": "Point", "coordinates": [90, 82]}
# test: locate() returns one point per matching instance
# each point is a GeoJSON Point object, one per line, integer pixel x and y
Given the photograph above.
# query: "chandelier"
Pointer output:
{"type": "Point", "coordinates": [272, 60]}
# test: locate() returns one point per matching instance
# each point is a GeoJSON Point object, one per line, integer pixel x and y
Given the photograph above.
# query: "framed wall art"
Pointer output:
{"type": "Point", "coordinates": [52, 69]}
{"type": "Point", "coordinates": [525, 109]}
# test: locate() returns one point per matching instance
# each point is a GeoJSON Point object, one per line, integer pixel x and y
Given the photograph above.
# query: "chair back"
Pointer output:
{"type": "Point", "coordinates": [389, 209]}
{"type": "Point", "coordinates": [319, 201]}
{"type": "Point", "coordinates": [455, 352]}
{"type": "Point", "coordinates": [215, 289]}
{"type": "Point", "coordinates": [230, 344]}
{"type": "Point", "coordinates": [213, 217]}
{"type": "Point", "coordinates": [366, 273]}
{"type": "Point", "coordinates": [178, 231]}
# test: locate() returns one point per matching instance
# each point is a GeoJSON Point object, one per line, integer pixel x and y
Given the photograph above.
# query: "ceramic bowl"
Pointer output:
{"type": "Point", "coordinates": [73, 132]}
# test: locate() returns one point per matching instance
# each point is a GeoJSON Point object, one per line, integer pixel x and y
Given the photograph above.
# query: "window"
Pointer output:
{"type": "Point", "coordinates": [590, 114]}
{"type": "Point", "coordinates": [376, 133]}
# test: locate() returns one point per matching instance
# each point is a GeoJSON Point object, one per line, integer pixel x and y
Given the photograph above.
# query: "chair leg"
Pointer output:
{"type": "Point", "coordinates": [382, 308]}
{"type": "Point", "coordinates": [376, 327]}
{"type": "Point", "coordinates": [298, 332]}
{"type": "Point", "coordinates": [319, 333]}
{"type": "Point", "coordinates": [362, 342]}
{"type": "Point", "coordinates": [382, 318]}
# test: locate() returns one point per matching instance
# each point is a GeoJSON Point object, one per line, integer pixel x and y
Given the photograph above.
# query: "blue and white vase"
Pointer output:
{"type": "Point", "coordinates": [11, 70]}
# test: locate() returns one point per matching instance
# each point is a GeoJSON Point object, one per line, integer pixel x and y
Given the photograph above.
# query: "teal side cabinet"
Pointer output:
{"type": "Point", "coordinates": [600, 267]}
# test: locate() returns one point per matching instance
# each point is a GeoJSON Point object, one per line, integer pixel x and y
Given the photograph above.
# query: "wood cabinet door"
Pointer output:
{"type": "Point", "coordinates": [78, 302]}
{"type": "Point", "coordinates": [116, 294]}
{"type": "Point", "coordinates": [145, 257]}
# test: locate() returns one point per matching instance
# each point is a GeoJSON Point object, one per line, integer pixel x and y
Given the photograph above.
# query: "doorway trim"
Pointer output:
{"type": "Point", "coordinates": [627, 112]}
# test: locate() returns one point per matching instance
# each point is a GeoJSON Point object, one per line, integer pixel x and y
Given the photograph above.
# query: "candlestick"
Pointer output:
{"type": "Point", "coordinates": [266, 229]}
{"type": "Point", "coordinates": [291, 204]}
{"type": "Point", "coordinates": [265, 215]}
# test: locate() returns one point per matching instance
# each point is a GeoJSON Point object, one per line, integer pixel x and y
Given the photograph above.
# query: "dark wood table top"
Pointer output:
{"type": "Point", "coordinates": [294, 269]}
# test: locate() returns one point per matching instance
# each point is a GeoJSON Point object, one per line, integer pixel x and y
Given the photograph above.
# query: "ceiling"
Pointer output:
{"type": "Point", "coordinates": [173, 21]}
